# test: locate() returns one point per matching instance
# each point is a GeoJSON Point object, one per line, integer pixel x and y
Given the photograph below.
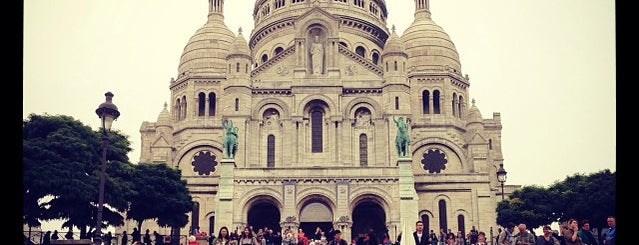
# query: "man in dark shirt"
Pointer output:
{"type": "Point", "coordinates": [337, 239]}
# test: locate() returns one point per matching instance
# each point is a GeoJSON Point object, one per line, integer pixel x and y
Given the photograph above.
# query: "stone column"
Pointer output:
{"type": "Point", "coordinates": [408, 210]}
{"type": "Point", "coordinates": [224, 204]}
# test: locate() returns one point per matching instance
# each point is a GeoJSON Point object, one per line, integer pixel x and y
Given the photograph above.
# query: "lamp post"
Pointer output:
{"type": "Point", "coordinates": [108, 113]}
{"type": "Point", "coordinates": [501, 177]}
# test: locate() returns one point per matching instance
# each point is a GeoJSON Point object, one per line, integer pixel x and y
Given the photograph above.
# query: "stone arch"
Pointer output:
{"type": "Point", "coordinates": [257, 195]}
{"type": "Point", "coordinates": [320, 22]}
{"type": "Point", "coordinates": [366, 214]}
{"type": "Point", "coordinates": [375, 194]}
{"type": "Point", "coordinates": [206, 144]}
{"type": "Point", "coordinates": [275, 103]}
{"type": "Point", "coordinates": [304, 104]}
{"type": "Point", "coordinates": [372, 105]}
{"type": "Point", "coordinates": [323, 194]}
{"type": "Point", "coordinates": [261, 199]}
{"type": "Point", "coordinates": [459, 152]}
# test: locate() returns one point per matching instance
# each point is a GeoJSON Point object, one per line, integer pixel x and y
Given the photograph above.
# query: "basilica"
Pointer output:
{"type": "Point", "coordinates": [322, 116]}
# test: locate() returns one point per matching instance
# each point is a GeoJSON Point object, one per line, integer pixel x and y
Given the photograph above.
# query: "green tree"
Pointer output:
{"type": "Point", "coordinates": [580, 196]}
{"type": "Point", "coordinates": [531, 205]}
{"type": "Point", "coordinates": [61, 158]}
{"type": "Point", "coordinates": [160, 193]}
{"type": "Point", "coordinates": [590, 197]}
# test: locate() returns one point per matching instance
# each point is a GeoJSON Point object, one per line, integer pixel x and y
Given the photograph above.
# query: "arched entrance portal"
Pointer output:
{"type": "Point", "coordinates": [313, 215]}
{"type": "Point", "coordinates": [264, 214]}
{"type": "Point", "coordinates": [368, 216]}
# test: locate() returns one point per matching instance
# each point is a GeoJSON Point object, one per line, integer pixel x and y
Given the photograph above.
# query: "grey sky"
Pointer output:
{"type": "Point", "coordinates": [547, 66]}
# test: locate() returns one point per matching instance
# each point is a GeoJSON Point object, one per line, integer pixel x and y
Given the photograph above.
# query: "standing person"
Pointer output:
{"type": "Point", "coordinates": [432, 237]}
{"type": "Point", "coordinates": [524, 237]}
{"type": "Point", "coordinates": [247, 238]}
{"type": "Point", "coordinates": [223, 236]}
{"type": "Point", "coordinates": [125, 238]}
{"type": "Point", "coordinates": [506, 236]}
{"type": "Point", "coordinates": [147, 237]}
{"type": "Point", "coordinates": [107, 238]}
{"type": "Point", "coordinates": [459, 239]}
{"type": "Point", "coordinates": [158, 238]}
{"type": "Point", "coordinates": [419, 236]}
{"type": "Point", "coordinates": [318, 233]}
{"type": "Point", "coordinates": [473, 235]}
{"type": "Point", "coordinates": [609, 238]}
{"type": "Point", "coordinates": [547, 238]}
{"type": "Point", "coordinates": [136, 235]}
{"type": "Point", "coordinates": [286, 237]}
{"type": "Point", "coordinates": [337, 239]}
{"type": "Point", "coordinates": [69, 234]}
{"type": "Point", "coordinates": [585, 234]}
{"type": "Point", "coordinates": [481, 238]}
{"type": "Point", "coordinates": [569, 231]}
{"type": "Point", "coordinates": [55, 236]}
{"type": "Point", "coordinates": [46, 240]}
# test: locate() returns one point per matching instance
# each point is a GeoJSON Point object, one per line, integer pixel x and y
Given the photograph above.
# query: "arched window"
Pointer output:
{"type": "Point", "coordinates": [425, 102]}
{"type": "Point", "coordinates": [237, 104]}
{"type": "Point", "coordinates": [184, 107]}
{"type": "Point", "coordinates": [343, 43]}
{"type": "Point", "coordinates": [387, 66]}
{"type": "Point", "coordinates": [195, 216]}
{"type": "Point", "coordinates": [454, 104]}
{"type": "Point", "coordinates": [317, 118]}
{"type": "Point", "coordinates": [212, 100]}
{"type": "Point", "coordinates": [363, 150]}
{"type": "Point", "coordinates": [201, 104]}
{"type": "Point", "coordinates": [361, 51]}
{"type": "Point", "coordinates": [426, 221]}
{"type": "Point", "coordinates": [436, 108]}
{"type": "Point", "coordinates": [461, 224]}
{"type": "Point", "coordinates": [270, 151]}
{"type": "Point", "coordinates": [375, 58]}
{"type": "Point", "coordinates": [395, 65]}
{"type": "Point", "coordinates": [278, 50]}
{"type": "Point", "coordinates": [178, 110]}
{"type": "Point", "coordinates": [396, 102]}
{"type": "Point", "coordinates": [460, 106]}
{"type": "Point", "coordinates": [490, 144]}
{"type": "Point", "coordinates": [237, 67]}
{"type": "Point", "coordinates": [443, 223]}
{"type": "Point", "coordinates": [264, 58]}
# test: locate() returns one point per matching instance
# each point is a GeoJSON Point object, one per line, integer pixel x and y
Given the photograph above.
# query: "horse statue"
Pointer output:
{"type": "Point", "coordinates": [229, 141]}
{"type": "Point", "coordinates": [402, 139]}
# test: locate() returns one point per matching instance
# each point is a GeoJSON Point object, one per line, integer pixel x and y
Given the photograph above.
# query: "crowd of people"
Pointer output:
{"type": "Point", "coordinates": [573, 232]}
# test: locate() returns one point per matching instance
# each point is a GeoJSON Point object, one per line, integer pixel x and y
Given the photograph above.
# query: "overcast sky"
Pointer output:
{"type": "Point", "coordinates": [547, 66]}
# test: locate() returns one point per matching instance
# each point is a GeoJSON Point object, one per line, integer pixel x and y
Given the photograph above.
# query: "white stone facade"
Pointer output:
{"type": "Point", "coordinates": [317, 141]}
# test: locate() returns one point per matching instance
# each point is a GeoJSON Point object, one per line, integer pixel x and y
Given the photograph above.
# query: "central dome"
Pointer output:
{"type": "Point", "coordinates": [428, 46]}
{"type": "Point", "coordinates": [207, 49]}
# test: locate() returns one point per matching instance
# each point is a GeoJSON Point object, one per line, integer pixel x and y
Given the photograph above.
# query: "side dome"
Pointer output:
{"type": "Point", "coordinates": [239, 46]}
{"type": "Point", "coordinates": [473, 115]}
{"type": "Point", "coordinates": [394, 44]}
{"type": "Point", "coordinates": [207, 49]}
{"type": "Point", "coordinates": [429, 47]}
{"type": "Point", "coordinates": [164, 119]}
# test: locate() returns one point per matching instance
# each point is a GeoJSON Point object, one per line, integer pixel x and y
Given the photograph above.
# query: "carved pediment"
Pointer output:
{"type": "Point", "coordinates": [477, 139]}
{"type": "Point", "coordinates": [279, 68]}
{"type": "Point", "coordinates": [160, 141]}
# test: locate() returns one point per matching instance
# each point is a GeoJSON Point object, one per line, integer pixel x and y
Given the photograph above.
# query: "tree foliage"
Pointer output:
{"type": "Point", "coordinates": [61, 169]}
{"type": "Point", "coordinates": [160, 193]}
{"type": "Point", "coordinates": [583, 197]}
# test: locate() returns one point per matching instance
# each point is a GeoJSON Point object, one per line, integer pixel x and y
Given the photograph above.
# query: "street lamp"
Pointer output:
{"type": "Point", "coordinates": [501, 177]}
{"type": "Point", "coordinates": [108, 112]}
